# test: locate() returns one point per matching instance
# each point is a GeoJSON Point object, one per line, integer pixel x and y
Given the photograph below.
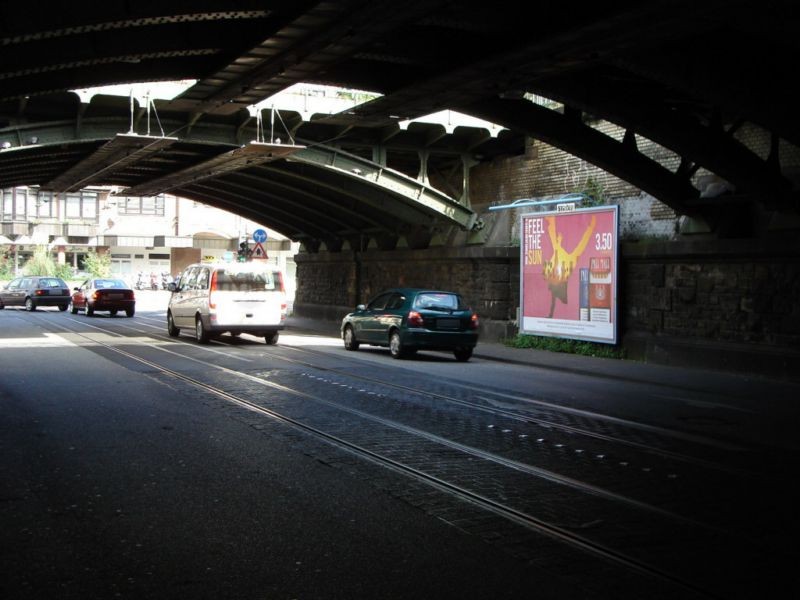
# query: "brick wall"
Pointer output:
{"type": "Point", "coordinates": [542, 172]}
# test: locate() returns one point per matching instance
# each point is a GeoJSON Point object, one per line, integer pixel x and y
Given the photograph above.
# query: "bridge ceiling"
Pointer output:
{"type": "Point", "coordinates": [686, 75]}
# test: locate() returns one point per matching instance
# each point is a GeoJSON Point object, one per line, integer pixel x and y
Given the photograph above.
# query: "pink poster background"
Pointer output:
{"type": "Point", "coordinates": [555, 246]}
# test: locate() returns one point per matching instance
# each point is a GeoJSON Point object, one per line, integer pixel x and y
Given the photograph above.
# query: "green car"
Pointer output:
{"type": "Point", "coordinates": [406, 320]}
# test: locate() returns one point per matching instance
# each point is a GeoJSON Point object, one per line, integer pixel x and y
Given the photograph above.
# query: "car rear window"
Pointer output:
{"type": "Point", "coordinates": [109, 283]}
{"type": "Point", "coordinates": [248, 281]}
{"type": "Point", "coordinates": [51, 282]}
{"type": "Point", "coordinates": [440, 300]}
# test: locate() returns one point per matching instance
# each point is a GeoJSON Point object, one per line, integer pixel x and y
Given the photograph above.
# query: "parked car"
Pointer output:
{"type": "Point", "coordinates": [234, 298]}
{"type": "Point", "coordinates": [34, 291]}
{"type": "Point", "coordinates": [112, 295]}
{"type": "Point", "coordinates": [407, 320]}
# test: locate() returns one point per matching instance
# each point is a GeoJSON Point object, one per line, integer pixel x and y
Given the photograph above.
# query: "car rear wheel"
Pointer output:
{"type": "Point", "coordinates": [463, 354]}
{"type": "Point", "coordinates": [200, 333]}
{"type": "Point", "coordinates": [171, 329]}
{"type": "Point", "coordinates": [350, 341]}
{"type": "Point", "coordinates": [73, 309]}
{"type": "Point", "coordinates": [271, 338]}
{"type": "Point", "coordinates": [113, 313]}
{"type": "Point", "coordinates": [396, 347]}
{"type": "Point", "coordinates": [62, 307]}
{"type": "Point", "coordinates": [89, 310]}
{"type": "Point", "coordinates": [30, 306]}
{"type": "Point", "coordinates": [130, 311]}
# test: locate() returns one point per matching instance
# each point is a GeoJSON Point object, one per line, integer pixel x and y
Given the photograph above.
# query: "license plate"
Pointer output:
{"type": "Point", "coordinates": [115, 296]}
{"type": "Point", "coordinates": [447, 323]}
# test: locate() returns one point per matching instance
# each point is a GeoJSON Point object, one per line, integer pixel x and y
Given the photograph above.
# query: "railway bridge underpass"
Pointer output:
{"type": "Point", "coordinates": [679, 113]}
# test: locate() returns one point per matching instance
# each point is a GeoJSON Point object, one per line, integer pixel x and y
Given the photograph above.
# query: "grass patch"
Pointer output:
{"type": "Point", "coordinates": [566, 346]}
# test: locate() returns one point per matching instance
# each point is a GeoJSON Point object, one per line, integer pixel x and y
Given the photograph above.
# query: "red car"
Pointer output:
{"type": "Point", "coordinates": [112, 295]}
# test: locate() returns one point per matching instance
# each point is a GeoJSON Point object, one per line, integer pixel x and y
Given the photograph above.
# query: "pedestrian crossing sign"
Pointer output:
{"type": "Point", "coordinates": [259, 252]}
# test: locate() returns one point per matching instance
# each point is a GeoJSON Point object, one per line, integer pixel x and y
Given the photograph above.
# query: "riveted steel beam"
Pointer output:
{"type": "Point", "coordinates": [415, 193]}
{"type": "Point", "coordinates": [249, 155]}
{"type": "Point", "coordinates": [118, 153]}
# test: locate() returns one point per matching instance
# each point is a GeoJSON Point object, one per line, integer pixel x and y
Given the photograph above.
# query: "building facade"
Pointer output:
{"type": "Point", "coordinates": [159, 234]}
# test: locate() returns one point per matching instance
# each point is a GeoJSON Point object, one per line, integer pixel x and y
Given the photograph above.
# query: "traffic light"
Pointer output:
{"type": "Point", "coordinates": [244, 251]}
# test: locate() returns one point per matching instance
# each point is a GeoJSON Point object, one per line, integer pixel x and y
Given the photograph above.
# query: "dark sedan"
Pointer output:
{"type": "Point", "coordinates": [112, 295]}
{"type": "Point", "coordinates": [34, 291]}
{"type": "Point", "coordinates": [406, 320]}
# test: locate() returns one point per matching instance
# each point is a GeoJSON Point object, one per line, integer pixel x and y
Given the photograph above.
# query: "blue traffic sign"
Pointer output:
{"type": "Point", "coordinates": [260, 236]}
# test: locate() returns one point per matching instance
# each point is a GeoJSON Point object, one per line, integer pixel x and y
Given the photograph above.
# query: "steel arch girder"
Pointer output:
{"type": "Point", "coordinates": [293, 228]}
{"type": "Point", "coordinates": [711, 148]}
{"type": "Point", "coordinates": [265, 205]}
{"type": "Point", "coordinates": [599, 149]}
{"type": "Point", "coordinates": [416, 193]}
{"type": "Point", "coordinates": [308, 196]}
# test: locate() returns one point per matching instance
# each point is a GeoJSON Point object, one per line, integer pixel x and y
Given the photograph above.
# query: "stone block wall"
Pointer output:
{"type": "Point", "coordinates": [738, 291]}
{"type": "Point", "coordinates": [728, 304]}
{"type": "Point", "coordinates": [331, 284]}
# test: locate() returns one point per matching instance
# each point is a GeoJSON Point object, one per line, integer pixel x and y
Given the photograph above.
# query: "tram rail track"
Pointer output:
{"type": "Point", "coordinates": [513, 514]}
{"type": "Point", "coordinates": [523, 415]}
{"type": "Point", "coordinates": [698, 464]}
{"type": "Point", "coordinates": [569, 473]}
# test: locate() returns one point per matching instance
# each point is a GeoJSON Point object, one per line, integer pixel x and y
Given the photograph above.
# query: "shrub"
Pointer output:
{"type": "Point", "coordinates": [565, 346]}
{"type": "Point", "coordinates": [593, 193]}
{"type": "Point", "coordinates": [42, 263]}
{"type": "Point", "coordinates": [99, 265]}
{"type": "Point", "coordinates": [6, 266]}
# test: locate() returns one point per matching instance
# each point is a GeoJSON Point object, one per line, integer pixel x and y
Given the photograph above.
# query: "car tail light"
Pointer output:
{"type": "Point", "coordinates": [130, 295]}
{"type": "Point", "coordinates": [39, 293]}
{"type": "Point", "coordinates": [414, 319]}
{"type": "Point", "coordinates": [96, 295]}
{"type": "Point", "coordinates": [474, 321]}
{"type": "Point", "coordinates": [212, 287]}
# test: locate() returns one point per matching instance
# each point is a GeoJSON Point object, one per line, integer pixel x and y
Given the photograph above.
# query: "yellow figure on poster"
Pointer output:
{"type": "Point", "coordinates": [562, 263]}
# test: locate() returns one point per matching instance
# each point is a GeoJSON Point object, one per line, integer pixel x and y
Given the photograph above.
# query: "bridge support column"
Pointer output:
{"type": "Point", "coordinates": [422, 176]}
{"type": "Point", "coordinates": [467, 162]}
{"type": "Point", "coordinates": [379, 155]}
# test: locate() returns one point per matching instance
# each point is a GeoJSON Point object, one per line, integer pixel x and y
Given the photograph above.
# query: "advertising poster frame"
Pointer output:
{"type": "Point", "coordinates": [568, 274]}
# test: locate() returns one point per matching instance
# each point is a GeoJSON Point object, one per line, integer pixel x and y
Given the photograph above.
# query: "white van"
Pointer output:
{"type": "Point", "coordinates": [235, 298]}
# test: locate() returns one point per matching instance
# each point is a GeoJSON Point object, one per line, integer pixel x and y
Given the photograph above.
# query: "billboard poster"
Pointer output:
{"type": "Point", "coordinates": [568, 276]}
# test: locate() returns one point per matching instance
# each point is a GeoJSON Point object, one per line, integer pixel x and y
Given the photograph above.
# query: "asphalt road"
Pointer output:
{"type": "Point", "coordinates": [121, 478]}
{"type": "Point", "coordinates": [115, 485]}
